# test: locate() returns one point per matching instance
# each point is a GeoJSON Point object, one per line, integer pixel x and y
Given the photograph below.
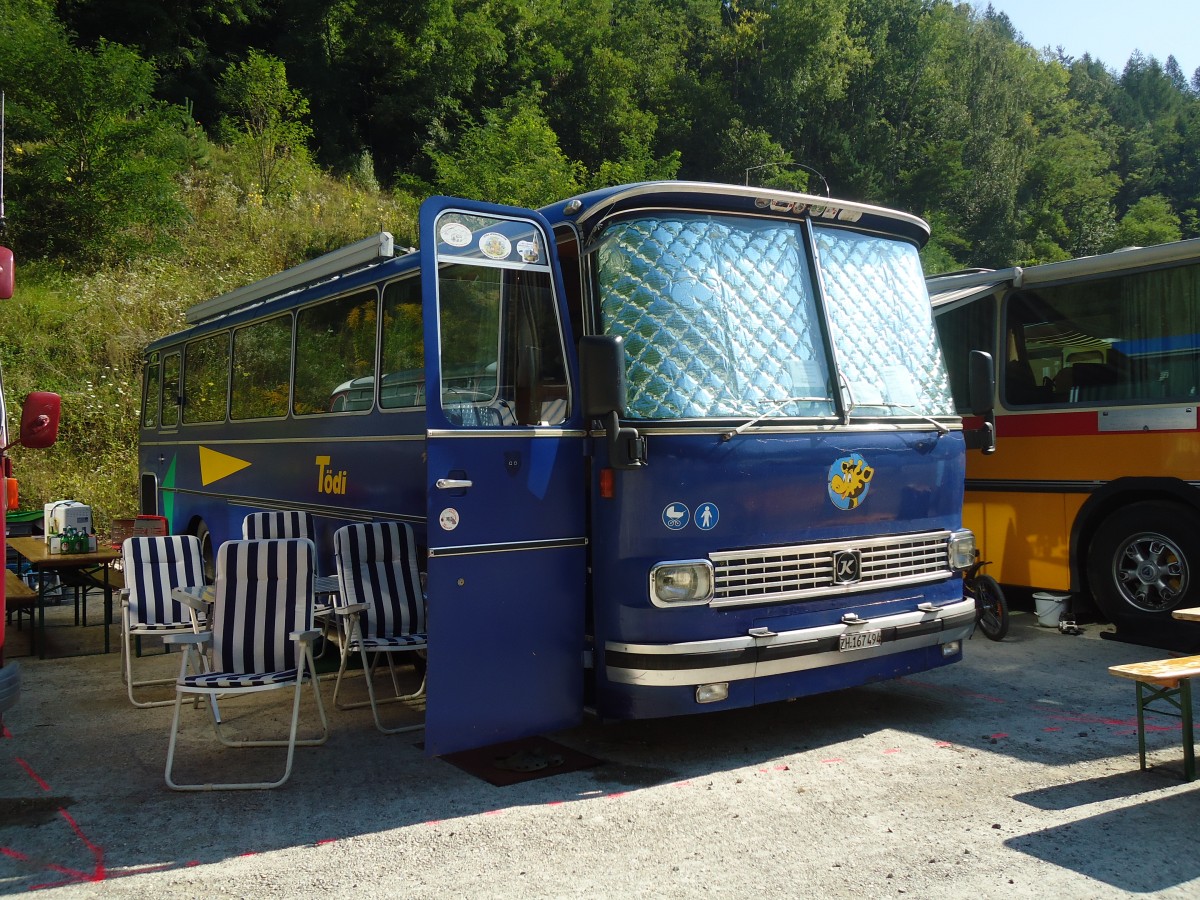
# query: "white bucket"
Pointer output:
{"type": "Point", "coordinates": [1049, 608]}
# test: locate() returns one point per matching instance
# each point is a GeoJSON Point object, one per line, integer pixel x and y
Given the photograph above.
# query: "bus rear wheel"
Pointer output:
{"type": "Point", "coordinates": [206, 553]}
{"type": "Point", "coordinates": [1143, 562]}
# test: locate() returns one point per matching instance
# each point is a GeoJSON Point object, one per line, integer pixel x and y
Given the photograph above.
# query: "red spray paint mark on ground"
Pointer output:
{"type": "Point", "coordinates": [72, 875]}
{"type": "Point", "coordinates": [32, 774]}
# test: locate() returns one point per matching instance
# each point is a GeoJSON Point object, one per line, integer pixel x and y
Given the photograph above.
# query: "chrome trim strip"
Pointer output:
{"type": "Point", "coordinates": [336, 512]}
{"type": "Point", "coordinates": [740, 658]}
{"type": "Point", "coordinates": [513, 546]}
{"type": "Point", "coordinates": [542, 431]}
{"type": "Point", "coordinates": [327, 439]}
{"type": "Point", "coordinates": [651, 427]}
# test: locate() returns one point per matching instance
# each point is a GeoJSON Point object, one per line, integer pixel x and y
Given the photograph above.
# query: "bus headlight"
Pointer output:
{"type": "Point", "coordinates": [962, 549]}
{"type": "Point", "coordinates": [685, 582]}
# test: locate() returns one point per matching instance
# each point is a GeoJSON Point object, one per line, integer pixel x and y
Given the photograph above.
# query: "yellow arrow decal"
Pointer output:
{"type": "Point", "coordinates": [214, 466]}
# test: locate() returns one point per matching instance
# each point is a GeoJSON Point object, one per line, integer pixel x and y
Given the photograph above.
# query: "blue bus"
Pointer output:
{"type": "Point", "coordinates": [667, 447]}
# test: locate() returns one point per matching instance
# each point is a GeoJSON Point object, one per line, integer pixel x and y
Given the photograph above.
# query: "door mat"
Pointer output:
{"type": "Point", "coordinates": [514, 762]}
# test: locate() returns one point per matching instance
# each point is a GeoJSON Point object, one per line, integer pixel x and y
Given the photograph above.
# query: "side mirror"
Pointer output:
{"type": "Point", "coordinates": [39, 420]}
{"type": "Point", "coordinates": [982, 382]}
{"type": "Point", "coordinates": [982, 385]}
{"type": "Point", "coordinates": [6, 273]}
{"type": "Point", "coordinates": [602, 366]}
{"type": "Point", "coordinates": [602, 371]}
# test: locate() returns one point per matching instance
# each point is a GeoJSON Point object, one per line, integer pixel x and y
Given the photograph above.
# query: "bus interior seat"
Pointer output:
{"type": "Point", "coordinates": [1085, 381]}
{"type": "Point", "coordinates": [1020, 386]}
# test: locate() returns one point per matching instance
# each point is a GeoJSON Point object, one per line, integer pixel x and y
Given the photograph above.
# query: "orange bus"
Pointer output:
{"type": "Point", "coordinates": [1094, 488]}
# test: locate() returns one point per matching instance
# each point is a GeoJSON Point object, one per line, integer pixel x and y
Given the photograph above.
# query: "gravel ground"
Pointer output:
{"type": "Point", "coordinates": [1012, 774]}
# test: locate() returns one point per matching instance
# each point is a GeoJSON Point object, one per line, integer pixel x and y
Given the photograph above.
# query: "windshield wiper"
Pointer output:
{"type": "Point", "coordinates": [941, 429]}
{"type": "Point", "coordinates": [854, 404]}
{"type": "Point", "coordinates": [728, 435]}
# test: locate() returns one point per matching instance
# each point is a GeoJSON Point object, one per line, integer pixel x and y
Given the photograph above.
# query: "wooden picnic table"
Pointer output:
{"type": "Point", "coordinates": [86, 570]}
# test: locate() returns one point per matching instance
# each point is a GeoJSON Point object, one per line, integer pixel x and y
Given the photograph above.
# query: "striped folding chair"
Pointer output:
{"type": "Point", "coordinates": [382, 606]}
{"type": "Point", "coordinates": [261, 638]}
{"type": "Point", "coordinates": [153, 567]}
{"type": "Point", "coordinates": [292, 523]}
{"type": "Point", "coordinates": [278, 523]}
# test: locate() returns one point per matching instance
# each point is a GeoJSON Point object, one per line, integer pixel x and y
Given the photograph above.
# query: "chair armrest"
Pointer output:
{"type": "Point", "coordinates": [306, 636]}
{"type": "Point", "coordinates": [202, 637]}
{"type": "Point", "coordinates": [194, 596]}
{"type": "Point", "coordinates": [350, 609]}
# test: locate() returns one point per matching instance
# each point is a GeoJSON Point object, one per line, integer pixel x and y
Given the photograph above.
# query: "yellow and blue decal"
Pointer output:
{"type": "Point", "coordinates": [849, 481]}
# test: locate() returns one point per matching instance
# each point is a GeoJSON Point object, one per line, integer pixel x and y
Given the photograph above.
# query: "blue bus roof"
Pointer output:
{"type": "Point", "coordinates": [368, 260]}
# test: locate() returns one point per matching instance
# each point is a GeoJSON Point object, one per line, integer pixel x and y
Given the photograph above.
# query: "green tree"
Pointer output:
{"type": "Point", "coordinates": [189, 44]}
{"type": "Point", "coordinates": [93, 157]}
{"type": "Point", "coordinates": [265, 122]}
{"type": "Point", "coordinates": [512, 157]}
{"type": "Point", "coordinates": [1149, 221]}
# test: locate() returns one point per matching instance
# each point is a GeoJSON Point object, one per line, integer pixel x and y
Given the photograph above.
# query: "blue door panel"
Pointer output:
{"type": "Point", "coordinates": [488, 662]}
{"type": "Point", "coordinates": [506, 525]}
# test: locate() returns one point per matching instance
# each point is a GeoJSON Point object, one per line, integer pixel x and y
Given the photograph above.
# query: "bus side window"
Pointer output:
{"type": "Point", "coordinates": [402, 346]}
{"type": "Point", "coordinates": [971, 326]}
{"type": "Point", "coordinates": [206, 379]}
{"type": "Point", "coordinates": [170, 391]}
{"type": "Point", "coordinates": [261, 371]}
{"type": "Point", "coordinates": [150, 393]}
{"type": "Point", "coordinates": [335, 353]}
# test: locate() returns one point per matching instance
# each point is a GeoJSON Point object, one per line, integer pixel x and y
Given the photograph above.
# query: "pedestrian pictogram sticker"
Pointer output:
{"type": "Point", "coordinates": [707, 516]}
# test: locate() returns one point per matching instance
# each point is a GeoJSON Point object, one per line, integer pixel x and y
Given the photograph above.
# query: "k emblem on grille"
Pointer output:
{"type": "Point", "coordinates": [847, 566]}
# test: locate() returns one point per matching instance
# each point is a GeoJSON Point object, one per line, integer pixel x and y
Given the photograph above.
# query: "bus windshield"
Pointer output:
{"type": "Point", "coordinates": [721, 317]}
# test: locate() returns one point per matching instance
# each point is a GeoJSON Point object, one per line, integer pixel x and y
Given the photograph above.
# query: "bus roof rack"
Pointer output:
{"type": "Point", "coordinates": [337, 262]}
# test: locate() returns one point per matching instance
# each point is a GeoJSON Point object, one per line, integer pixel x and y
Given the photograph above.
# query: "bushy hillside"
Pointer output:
{"type": "Point", "coordinates": [82, 335]}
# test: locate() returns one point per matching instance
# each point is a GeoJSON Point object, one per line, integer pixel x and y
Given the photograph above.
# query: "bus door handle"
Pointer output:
{"type": "Point", "coordinates": [453, 484]}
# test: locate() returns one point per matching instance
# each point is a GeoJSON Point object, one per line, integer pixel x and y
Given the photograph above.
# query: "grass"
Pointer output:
{"type": "Point", "coordinates": [82, 335]}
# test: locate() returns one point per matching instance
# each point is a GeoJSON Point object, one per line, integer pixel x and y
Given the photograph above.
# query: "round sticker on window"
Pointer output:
{"type": "Point", "coordinates": [456, 234]}
{"type": "Point", "coordinates": [495, 245]}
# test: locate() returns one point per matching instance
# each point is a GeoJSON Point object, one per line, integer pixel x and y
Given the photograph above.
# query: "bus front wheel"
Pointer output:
{"type": "Point", "coordinates": [1144, 561]}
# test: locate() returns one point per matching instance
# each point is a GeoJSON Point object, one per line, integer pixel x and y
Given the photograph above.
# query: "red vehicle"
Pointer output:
{"type": "Point", "coordinates": [39, 428]}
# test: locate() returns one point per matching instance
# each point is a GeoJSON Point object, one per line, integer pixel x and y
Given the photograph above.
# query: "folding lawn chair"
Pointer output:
{"type": "Point", "coordinates": [261, 638]}
{"type": "Point", "coordinates": [381, 604]}
{"type": "Point", "coordinates": [153, 567]}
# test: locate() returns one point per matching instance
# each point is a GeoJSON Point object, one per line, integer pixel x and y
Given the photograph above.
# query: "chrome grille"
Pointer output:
{"type": "Point", "coordinates": [805, 571]}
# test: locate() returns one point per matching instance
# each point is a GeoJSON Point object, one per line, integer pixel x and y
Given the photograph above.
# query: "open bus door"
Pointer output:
{"type": "Point", "coordinates": [505, 481]}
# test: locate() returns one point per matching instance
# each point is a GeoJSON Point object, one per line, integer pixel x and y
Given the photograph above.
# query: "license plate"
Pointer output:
{"type": "Point", "coordinates": [859, 640]}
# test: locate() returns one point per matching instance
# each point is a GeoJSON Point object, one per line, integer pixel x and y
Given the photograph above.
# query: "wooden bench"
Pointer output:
{"type": "Point", "coordinates": [1169, 682]}
{"type": "Point", "coordinates": [19, 597]}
